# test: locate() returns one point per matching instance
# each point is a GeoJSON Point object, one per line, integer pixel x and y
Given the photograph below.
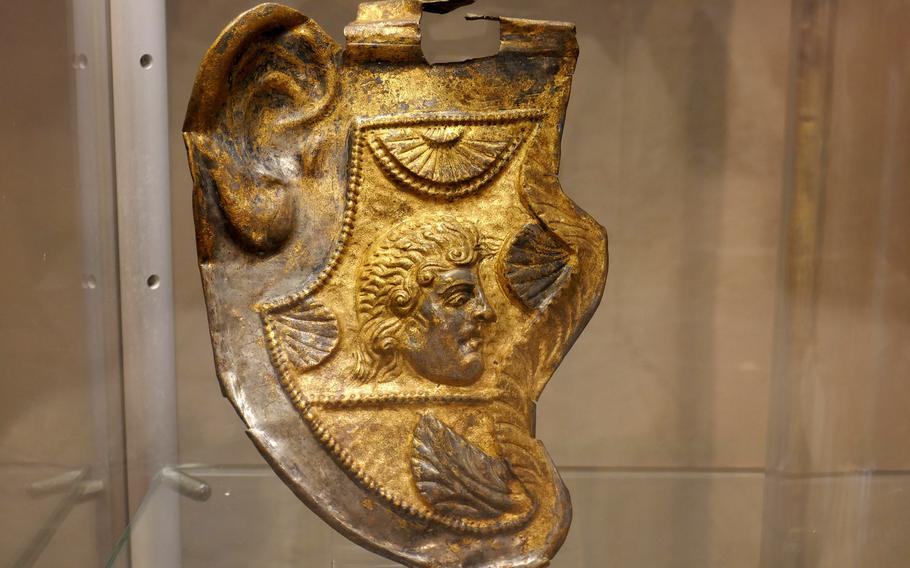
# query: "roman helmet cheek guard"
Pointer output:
{"type": "Point", "coordinates": [324, 180]}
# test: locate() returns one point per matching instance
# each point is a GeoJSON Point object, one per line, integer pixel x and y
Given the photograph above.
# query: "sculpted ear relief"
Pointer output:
{"type": "Point", "coordinates": [393, 272]}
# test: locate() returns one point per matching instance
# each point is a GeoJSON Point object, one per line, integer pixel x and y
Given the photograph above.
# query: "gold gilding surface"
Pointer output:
{"type": "Point", "coordinates": [393, 272]}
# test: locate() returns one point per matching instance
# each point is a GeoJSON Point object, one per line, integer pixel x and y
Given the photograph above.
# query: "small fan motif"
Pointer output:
{"type": "Point", "coordinates": [307, 334]}
{"type": "Point", "coordinates": [447, 154]}
{"type": "Point", "coordinates": [534, 264]}
{"type": "Point", "coordinates": [447, 159]}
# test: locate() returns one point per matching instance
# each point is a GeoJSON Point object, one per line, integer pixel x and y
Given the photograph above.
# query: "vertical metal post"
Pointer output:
{"type": "Point", "coordinates": [139, 72]}
{"type": "Point", "coordinates": [94, 149]}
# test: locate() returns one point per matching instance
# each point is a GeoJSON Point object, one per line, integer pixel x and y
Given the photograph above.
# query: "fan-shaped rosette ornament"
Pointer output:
{"type": "Point", "coordinates": [447, 158]}
{"type": "Point", "coordinates": [535, 264]}
{"type": "Point", "coordinates": [304, 336]}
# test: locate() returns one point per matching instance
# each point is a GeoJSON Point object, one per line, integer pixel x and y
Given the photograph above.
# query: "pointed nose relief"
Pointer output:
{"type": "Point", "coordinates": [482, 309]}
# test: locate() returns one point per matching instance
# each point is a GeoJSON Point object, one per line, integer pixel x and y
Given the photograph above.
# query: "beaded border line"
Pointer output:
{"type": "Point", "coordinates": [401, 399]}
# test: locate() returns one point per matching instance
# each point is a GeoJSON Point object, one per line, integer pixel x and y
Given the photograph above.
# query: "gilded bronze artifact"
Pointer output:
{"type": "Point", "coordinates": [393, 273]}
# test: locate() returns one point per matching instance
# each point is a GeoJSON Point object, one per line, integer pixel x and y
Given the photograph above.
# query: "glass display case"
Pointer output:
{"type": "Point", "coordinates": [738, 401]}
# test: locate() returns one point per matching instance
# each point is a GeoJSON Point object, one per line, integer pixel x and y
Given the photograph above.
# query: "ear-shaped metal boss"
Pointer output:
{"type": "Point", "coordinates": [270, 75]}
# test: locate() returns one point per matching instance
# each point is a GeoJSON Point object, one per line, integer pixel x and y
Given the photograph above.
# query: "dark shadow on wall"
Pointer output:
{"type": "Point", "coordinates": [705, 127]}
{"type": "Point", "coordinates": [688, 44]}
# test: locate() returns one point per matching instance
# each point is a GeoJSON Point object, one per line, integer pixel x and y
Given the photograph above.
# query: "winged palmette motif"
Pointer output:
{"type": "Point", "coordinates": [455, 476]}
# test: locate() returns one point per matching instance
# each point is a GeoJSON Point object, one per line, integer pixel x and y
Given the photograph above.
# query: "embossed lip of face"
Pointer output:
{"type": "Point", "coordinates": [444, 340]}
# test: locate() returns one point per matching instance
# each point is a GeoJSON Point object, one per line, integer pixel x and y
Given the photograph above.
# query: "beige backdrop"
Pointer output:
{"type": "Point", "coordinates": [675, 141]}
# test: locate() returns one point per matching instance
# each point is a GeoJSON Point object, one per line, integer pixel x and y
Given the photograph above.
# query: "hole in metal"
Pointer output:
{"type": "Point", "coordinates": [450, 38]}
{"type": "Point", "coordinates": [146, 61]}
{"type": "Point", "coordinates": [153, 281]}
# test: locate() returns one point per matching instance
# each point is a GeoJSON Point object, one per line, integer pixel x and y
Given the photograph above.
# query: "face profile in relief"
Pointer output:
{"type": "Point", "coordinates": [421, 304]}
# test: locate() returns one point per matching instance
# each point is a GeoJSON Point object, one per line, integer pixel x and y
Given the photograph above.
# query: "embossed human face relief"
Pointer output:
{"type": "Point", "coordinates": [421, 304]}
{"type": "Point", "coordinates": [444, 341]}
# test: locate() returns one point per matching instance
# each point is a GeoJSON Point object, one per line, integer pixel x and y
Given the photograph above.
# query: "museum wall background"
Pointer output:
{"type": "Point", "coordinates": [676, 141]}
{"type": "Point", "coordinates": [46, 376]}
